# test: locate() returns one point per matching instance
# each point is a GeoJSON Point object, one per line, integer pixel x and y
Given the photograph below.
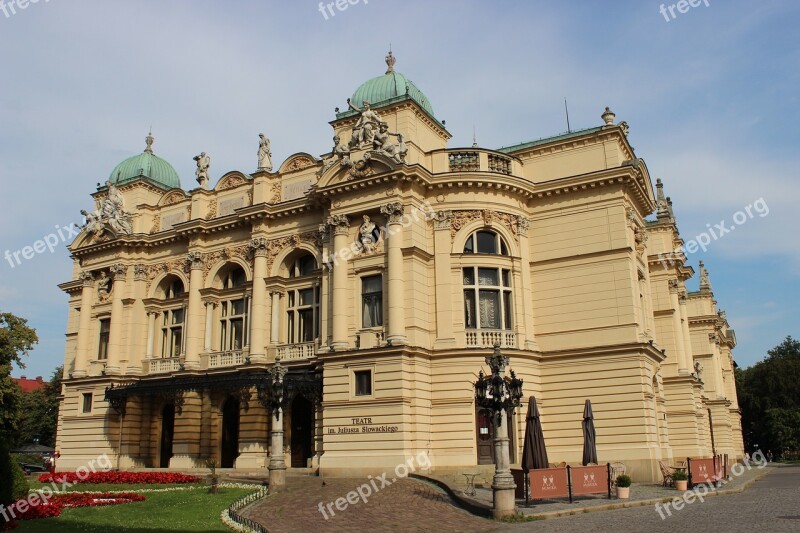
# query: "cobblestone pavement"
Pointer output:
{"type": "Point", "coordinates": [404, 506]}
{"type": "Point", "coordinates": [768, 505]}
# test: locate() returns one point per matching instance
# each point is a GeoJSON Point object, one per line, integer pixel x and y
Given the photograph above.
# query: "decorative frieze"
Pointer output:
{"type": "Point", "coordinates": [462, 218]}
{"type": "Point", "coordinates": [212, 209]}
{"type": "Point", "coordinates": [275, 246]}
{"type": "Point", "coordinates": [442, 219]}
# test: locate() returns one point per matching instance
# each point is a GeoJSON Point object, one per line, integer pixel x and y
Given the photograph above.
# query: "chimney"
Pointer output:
{"type": "Point", "coordinates": [39, 379]}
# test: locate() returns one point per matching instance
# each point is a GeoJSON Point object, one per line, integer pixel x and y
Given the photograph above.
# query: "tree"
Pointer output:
{"type": "Point", "coordinates": [38, 413]}
{"type": "Point", "coordinates": [16, 340]}
{"type": "Point", "coordinates": [770, 399]}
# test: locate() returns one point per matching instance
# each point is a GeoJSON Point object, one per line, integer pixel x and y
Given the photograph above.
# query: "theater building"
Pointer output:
{"type": "Point", "coordinates": [379, 276]}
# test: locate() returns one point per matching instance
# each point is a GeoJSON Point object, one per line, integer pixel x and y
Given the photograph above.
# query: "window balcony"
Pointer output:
{"type": "Point", "coordinates": [228, 358]}
{"type": "Point", "coordinates": [487, 338]}
{"type": "Point", "coordinates": [295, 352]}
{"type": "Point", "coordinates": [164, 365]}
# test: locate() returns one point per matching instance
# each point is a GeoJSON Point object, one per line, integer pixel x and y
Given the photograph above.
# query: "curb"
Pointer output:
{"type": "Point", "coordinates": [640, 503]}
{"type": "Point", "coordinates": [468, 504]}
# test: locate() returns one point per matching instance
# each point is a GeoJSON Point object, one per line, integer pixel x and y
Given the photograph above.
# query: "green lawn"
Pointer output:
{"type": "Point", "coordinates": [186, 510]}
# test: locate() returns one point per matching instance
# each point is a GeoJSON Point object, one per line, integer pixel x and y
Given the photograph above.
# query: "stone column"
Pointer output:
{"type": "Point", "coordinates": [84, 326]}
{"type": "Point", "coordinates": [687, 339]}
{"type": "Point", "coordinates": [503, 486]}
{"type": "Point", "coordinates": [396, 334]}
{"type": "Point", "coordinates": [277, 462]}
{"type": "Point", "coordinates": [152, 315]}
{"type": "Point", "coordinates": [207, 344]}
{"type": "Point", "coordinates": [341, 230]}
{"type": "Point", "coordinates": [258, 316]}
{"type": "Point", "coordinates": [115, 345]}
{"type": "Point", "coordinates": [275, 318]}
{"type": "Point", "coordinates": [138, 321]}
{"type": "Point", "coordinates": [680, 356]}
{"type": "Point", "coordinates": [526, 309]}
{"type": "Point", "coordinates": [194, 318]}
{"type": "Point", "coordinates": [443, 245]}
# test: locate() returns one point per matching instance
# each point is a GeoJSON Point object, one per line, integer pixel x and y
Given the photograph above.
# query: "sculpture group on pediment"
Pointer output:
{"type": "Point", "coordinates": [110, 215]}
{"type": "Point", "coordinates": [383, 143]}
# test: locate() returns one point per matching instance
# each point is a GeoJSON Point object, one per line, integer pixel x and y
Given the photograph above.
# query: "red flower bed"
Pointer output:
{"type": "Point", "coordinates": [58, 502]}
{"type": "Point", "coordinates": [119, 478]}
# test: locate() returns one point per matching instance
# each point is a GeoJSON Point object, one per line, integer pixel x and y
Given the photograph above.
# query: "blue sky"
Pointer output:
{"type": "Point", "coordinates": [711, 98]}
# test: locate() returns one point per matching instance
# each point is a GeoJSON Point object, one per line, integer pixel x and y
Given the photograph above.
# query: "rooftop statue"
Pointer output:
{"type": "Point", "coordinates": [203, 164]}
{"type": "Point", "coordinates": [110, 214]}
{"type": "Point", "coordinates": [365, 128]}
{"type": "Point", "coordinates": [264, 153]}
{"type": "Point", "coordinates": [382, 143]}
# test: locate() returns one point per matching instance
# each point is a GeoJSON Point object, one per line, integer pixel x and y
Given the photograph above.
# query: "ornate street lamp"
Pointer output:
{"type": "Point", "coordinates": [500, 396]}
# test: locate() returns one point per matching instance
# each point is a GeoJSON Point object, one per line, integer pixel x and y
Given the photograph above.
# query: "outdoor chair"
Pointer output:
{"type": "Point", "coordinates": [666, 471]}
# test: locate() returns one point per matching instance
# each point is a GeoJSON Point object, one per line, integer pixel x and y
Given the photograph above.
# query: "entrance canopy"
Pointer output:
{"type": "Point", "coordinates": [304, 382]}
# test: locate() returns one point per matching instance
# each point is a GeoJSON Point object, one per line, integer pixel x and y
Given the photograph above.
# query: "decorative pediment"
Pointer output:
{"type": "Point", "coordinates": [173, 196]}
{"type": "Point", "coordinates": [372, 163]}
{"type": "Point", "coordinates": [299, 161]}
{"type": "Point", "coordinates": [231, 180]}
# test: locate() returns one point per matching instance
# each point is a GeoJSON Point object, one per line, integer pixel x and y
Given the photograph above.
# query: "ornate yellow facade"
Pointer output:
{"type": "Point", "coordinates": [381, 275]}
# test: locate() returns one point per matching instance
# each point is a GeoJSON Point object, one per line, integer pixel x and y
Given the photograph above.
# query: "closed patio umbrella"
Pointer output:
{"type": "Point", "coordinates": [534, 453]}
{"type": "Point", "coordinates": [589, 436]}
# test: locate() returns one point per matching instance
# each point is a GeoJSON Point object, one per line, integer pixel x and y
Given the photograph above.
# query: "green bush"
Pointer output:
{"type": "Point", "coordinates": [20, 487]}
{"type": "Point", "coordinates": [6, 474]}
{"type": "Point", "coordinates": [28, 458]}
{"type": "Point", "coordinates": [680, 475]}
{"type": "Point", "coordinates": [623, 481]}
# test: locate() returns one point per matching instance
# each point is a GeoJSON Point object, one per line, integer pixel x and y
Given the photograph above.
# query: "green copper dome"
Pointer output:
{"type": "Point", "coordinates": [389, 86]}
{"type": "Point", "coordinates": [146, 166]}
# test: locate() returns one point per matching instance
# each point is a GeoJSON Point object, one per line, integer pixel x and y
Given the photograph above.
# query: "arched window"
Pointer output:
{"type": "Point", "coordinates": [302, 304]}
{"type": "Point", "coordinates": [173, 316]}
{"type": "Point", "coordinates": [487, 298]}
{"type": "Point", "coordinates": [485, 242]}
{"type": "Point", "coordinates": [233, 310]}
{"type": "Point", "coordinates": [302, 266]}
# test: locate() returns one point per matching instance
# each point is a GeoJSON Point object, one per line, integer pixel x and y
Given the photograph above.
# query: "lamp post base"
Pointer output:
{"type": "Point", "coordinates": [504, 501]}
{"type": "Point", "coordinates": [277, 479]}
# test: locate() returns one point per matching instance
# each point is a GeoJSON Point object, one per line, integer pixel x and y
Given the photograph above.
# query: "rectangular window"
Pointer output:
{"type": "Point", "coordinates": [87, 402]}
{"type": "Point", "coordinates": [105, 329]}
{"type": "Point", "coordinates": [363, 379]}
{"type": "Point", "coordinates": [232, 325]}
{"type": "Point", "coordinates": [372, 301]}
{"type": "Point", "coordinates": [490, 309]}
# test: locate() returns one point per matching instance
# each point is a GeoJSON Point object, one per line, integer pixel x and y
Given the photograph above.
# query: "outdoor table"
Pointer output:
{"type": "Point", "coordinates": [470, 490]}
